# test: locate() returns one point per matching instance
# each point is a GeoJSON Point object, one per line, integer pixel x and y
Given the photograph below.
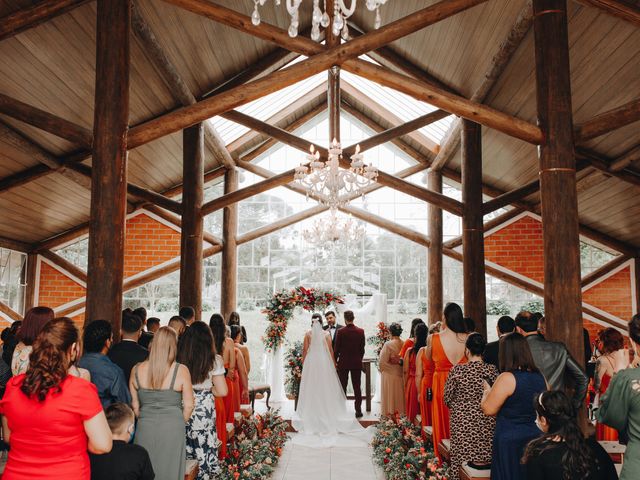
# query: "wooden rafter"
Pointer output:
{"type": "Point", "coordinates": [76, 134]}
{"type": "Point", "coordinates": [603, 164]}
{"type": "Point", "coordinates": [280, 224]}
{"type": "Point", "coordinates": [625, 159]}
{"type": "Point", "coordinates": [604, 270]}
{"type": "Point", "coordinates": [10, 312]}
{"type": "Point", "coordinates": [65, 264]}
{"type": "Point", "coordinates": [35, 15]}
{"type": "Point", "coordinates": [16, 245]}
{"type": "Point", "coordinates": [621, 9]}
{"type": "Point", "coordinates": [175, 220]}
{"type": "Point", "coordinates": [176, 83]}
{"type": "Point", "coordinates": [608, 121]}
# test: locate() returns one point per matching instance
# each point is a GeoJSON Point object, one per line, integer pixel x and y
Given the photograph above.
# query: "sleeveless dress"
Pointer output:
{"type": "Point", "coordinates": [161, 429]}
{"type": "Point", "coordinates": [515, 427]}
{"type": "Point", "coordinates": [439, 411]}
{"type": "Point", "coordinates": [407, 345]}
{"type": "Point", "coordinates": [237, 387]}
{"type": "Point", "coordinates": [411, 406]}
{"type": "Point", "coordinates": [604, 432]}
{"type": "Point", "coordinates": [229, 406]}
{"type": "Point", "coordinates": [425, 384]}
{"type": "Point", "coordinates": [221, 426]}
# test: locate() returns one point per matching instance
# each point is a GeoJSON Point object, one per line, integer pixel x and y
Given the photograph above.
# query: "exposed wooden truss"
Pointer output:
{"type": "Point", "coordinates": [621, 9]}
{"type": "Point", "coordinates": [608, 121]}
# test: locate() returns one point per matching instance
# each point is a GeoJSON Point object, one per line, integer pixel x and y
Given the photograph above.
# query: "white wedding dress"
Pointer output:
{"type": "Point", "coordinates": [322, 417]}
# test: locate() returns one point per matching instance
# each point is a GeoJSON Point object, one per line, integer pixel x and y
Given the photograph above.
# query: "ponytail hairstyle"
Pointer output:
{"type": "Point", "coordinates": [162, 355]}
{"type": "Point", "coordinates": [454, 318]}
{"type": "Point", "coordinates": [50, 358]}
{"type": "Point", "coordinates": [421, 333]}
{"type": "Point", "coordinates": [218, 329]}
{"type": "Point", "coordinates": [556, 408]}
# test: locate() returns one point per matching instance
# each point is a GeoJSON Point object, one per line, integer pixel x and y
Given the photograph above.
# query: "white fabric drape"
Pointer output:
{"type": "Point", "coordinates": [273, 366]}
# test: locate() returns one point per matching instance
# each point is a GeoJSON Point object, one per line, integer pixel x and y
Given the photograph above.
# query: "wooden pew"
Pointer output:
{"type": "Point", "coordinates": [191, 469]}
{"type": "Point", "coordinates": [444, 449]}
{"type": "Point", "coordinates": [468, 473]}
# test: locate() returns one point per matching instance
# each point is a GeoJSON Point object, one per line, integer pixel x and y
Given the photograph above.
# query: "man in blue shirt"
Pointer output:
{"type": "Point", "coordinates": [106, 375]}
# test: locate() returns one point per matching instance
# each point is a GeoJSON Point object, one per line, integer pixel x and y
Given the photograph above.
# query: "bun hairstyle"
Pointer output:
{"type": "Point", "coordinates": [556, 408]}
{"type": "Point", "coordinates": [476, 344]}
{"type": "Point", "coordinates": [50, 359]}
{"type": "Point", "coordinates": [395, 329]}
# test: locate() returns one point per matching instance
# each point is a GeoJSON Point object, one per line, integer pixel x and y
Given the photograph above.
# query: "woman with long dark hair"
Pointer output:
{"type": "Point", "coordinates": [51, 418]}
{"type": "Point", "coordinates": [562, 452]}
{"type": "Point", "coordinates": [620, 405]}
{"type": "Point", "coordinates": [411, 405]}
{"type": "Point", "coordinates": [34, 320]}
{"type": "Point", "coordinates": [408, 343]}
{"type": "Point", "coordinates": [509, 399]}
{"type": "Point", "coordinates": [445, 350]}
{"type": "Point", "coordinates": [242, 377]}
{"type": "Point", "coordinates": [197, 352]}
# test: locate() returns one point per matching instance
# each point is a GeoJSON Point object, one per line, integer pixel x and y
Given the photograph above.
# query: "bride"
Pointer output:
{"type": "Point", "coordinates": [322, 404]}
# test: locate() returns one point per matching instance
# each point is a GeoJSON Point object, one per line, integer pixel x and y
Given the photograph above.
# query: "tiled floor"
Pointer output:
{"type": "Point", "coordinates": [336, 463]}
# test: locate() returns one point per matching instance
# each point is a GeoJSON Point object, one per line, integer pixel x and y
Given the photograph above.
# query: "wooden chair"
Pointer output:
{"type": "Point", "coordinates": [254, 389]}
{"type": "Point", "coordinates": [428, 432]}
{"type": "Point", "coordinates": [191, 470]}
{"type": "Point", "coordinates": [444, 449]}
{"type": "Point", "coordinates": [468, 473]}
{"type": "Point", "coordinates": [614, 449]}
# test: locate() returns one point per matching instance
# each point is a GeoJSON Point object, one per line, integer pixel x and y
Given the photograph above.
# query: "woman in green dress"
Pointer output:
{"type": "Point", "coordinates": [620, 405]}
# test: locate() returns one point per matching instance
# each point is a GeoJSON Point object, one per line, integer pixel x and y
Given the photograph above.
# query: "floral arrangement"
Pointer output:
{"type": "Point", "coordinates": [398, 448]}
{"type": "Point", "coordinates": [378, 340]}
{"type": "Point", "coordinates": [293, 369]}
{"type": "Point", "coordinates": [255, 449]}
{"type": "Point", "coordinates": [280, 307]}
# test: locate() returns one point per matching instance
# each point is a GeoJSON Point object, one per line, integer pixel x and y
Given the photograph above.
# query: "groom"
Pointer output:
{"type": "Point", "coordinates": [349, 351]}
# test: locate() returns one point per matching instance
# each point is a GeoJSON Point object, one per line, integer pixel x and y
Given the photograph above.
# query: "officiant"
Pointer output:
{"type": "Point", "coordinates": [331, 326]}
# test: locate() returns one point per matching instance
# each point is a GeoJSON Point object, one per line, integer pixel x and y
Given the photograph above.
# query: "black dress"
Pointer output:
{"type": "Point", "coordinates": [549, 464]}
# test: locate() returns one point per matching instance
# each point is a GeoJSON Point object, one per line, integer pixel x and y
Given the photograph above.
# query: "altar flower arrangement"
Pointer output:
{"type": "Point", "coordinates": [398, 448]}
{"type": "Point", "coordinates": [281, 305]}
{"type": "Point", "coordinates": [378, 340]}
{"type": "Point", "coordinates": [293, 368]}
{"type": "Point", "coordinates": [255, 449]}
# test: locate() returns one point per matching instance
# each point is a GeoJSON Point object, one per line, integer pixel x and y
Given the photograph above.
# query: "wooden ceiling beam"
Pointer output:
{"type": "Point", "coordinates": [65, 264]}
{"type": "Point", "coordinates": [325, 58]}
{"type": "Point", "coordinates": [176, 84]}
{"type": "Point", "coordinates": [608, 121]}
{"type": "Point", "coordinates": [177, 221]}
{"type": "Point", "coordinates": [622, 10]}
{"type": "Point", "coordinates": [30, 17]}
{"type": "Point", "coordinates": [498, 65]}
{"type": "Point", "coordinates": [10, 312]}
{"type": "Point", "coordinates": [16, 245]}
{"type": "Point", "coordinates": [511, 196]}
{"type": "Point", "coordinates": [604, 270]}
{"type": "Point", "coordinates": [603, 164]}
{"type": "Point", "coordinates": [280, 224]}
{"type": "Point", "coordinates": [625, 160]}
{"type": "Point", "coordinates": [79, 136]}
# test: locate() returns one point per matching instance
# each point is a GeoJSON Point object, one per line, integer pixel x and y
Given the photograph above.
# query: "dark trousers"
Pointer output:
{"type": "Point", "coordinates": [355, 382]}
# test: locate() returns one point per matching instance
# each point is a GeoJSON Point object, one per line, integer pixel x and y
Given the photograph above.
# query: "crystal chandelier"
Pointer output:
{"type": "Point", "coordinates": [325, 232]}
{"type": "Point", "coordinates": [321, 18]}
{"type": "Point", "coordinates": [325, 181]}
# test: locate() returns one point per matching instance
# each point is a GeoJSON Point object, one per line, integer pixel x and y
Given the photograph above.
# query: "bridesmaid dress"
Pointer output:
{"type": "Point", "coordinates": [221, 427]}
{"type": "Point", "coordinates": [228, 400]}
{"type": "Point", "coordinates": [426, 383]}
{"type": "Point", "coordinates": [605, 432]}
{"type": "Point", "coordinates": [237, 387]}
{"type": "Point", "coordinates": [439, 411]}
{"type": "Point", "coordinates": [408, 344]}
{"type": "Point", "coordinates": [411, 390]}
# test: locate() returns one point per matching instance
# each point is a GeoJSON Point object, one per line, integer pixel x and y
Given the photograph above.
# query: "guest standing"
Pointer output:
{"type": "Point", "coordinates": [224, 407]}
{"type": "Point", "coordinates": [349, 351]}
{"type": "Point", "coordinates": [242, 378]}
{"type": "Point", "coordinates": [411, 405]}
{"type": "Point", "coordinates": [34, 321]}
{"type": "Point", "coordinates": [392, 384]}
{"type": "Point", "coordinates": [505, 325]}
{"type": "Point", "coordinates": [197, 352]}
{"type": "Point", "coordinates": [471, 430]}
{"type": "Point", "coordinates": [188, 314]}
{"type": "Point", "coordinates": [128, 352]}
{"type": "Point", "coordinates": [163, 402]}
{"type": "Point", "coordinates": [611, 342]}
{"type": "Point", "coordinates": [424, 382]}
{"type": "Point", "coordinates": [511, 400]}
{"type": "Point", "coordinates": [562, 452]}
{"type": "Point", "coordinates": [178, 324]}
{"type": "Point", "coordinates": [146, 337]}
{"type": "Point", "coordinates": [243, 349]}
{"type": "Point", "coordinates": [408, 343]}
{"type": "Point", "coordinates": [332, 326]}
{"type": "Point", "coordinates": [620, 405]}
{"type": "Point", "coordinates": [448, 344]}
{"type": "Point", "coordinates": [106, 375]}
{"type": "Point", "coordinates": [51, 418]}
{"type": "Point", "coordinates": [234, 319]}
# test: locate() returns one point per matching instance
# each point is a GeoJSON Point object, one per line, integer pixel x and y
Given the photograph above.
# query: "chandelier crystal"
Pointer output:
{"type": "Point", "coordinates": [320, 17]}
{"type": "Point", "coordinates": [325, 232]}
{"type": "Point", "coordinates": [328, 183]}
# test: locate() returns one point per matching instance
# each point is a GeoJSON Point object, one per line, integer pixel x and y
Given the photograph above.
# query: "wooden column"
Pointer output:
{"type": "Point", "coordinates": [333, 98]}
{"type": "Point", "coordinates": [434, 252]}
{"type": "Point", "coordinates": [229, 290]}
{"type": "Point", "coordinates": [637, 282]}
{"type": "Point", "coordinates": [30, 299]}
{"type": "Point", "coordinates": [475, 302]}
{"type": "Point", "coordinates": [109, 176]}
{"type": "Point", "coordinates": [192, 223]}
{"type": "Point", "coordinates": [559, 205]}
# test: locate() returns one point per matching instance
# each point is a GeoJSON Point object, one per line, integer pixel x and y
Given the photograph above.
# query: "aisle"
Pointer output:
{"type": "Point", "coordinates": [337, 463]}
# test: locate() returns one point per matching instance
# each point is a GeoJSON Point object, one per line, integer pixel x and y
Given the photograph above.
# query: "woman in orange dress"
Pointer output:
{"type": "Point", "coordinates": [424, 382]}
{"type": "Point", "coordinates": [610, 341]}
{"type": "Point", "coordinates": [412, 407]}
{"type": "Point", "coordinates": [409, 342]}
{"type": "Point", "coordinates": [224, 345]}
{"type": "Point", "coordinates": [443, 346]}
{"type": "Point", "coordinates": [242, 378]}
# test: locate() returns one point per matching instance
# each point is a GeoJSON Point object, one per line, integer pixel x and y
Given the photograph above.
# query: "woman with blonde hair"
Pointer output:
{"type": "Point", "coordinates": [163, 399]}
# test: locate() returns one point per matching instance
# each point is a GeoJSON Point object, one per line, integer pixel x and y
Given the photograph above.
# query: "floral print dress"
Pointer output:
{"type": "Point", "coordinates": [202, 439]}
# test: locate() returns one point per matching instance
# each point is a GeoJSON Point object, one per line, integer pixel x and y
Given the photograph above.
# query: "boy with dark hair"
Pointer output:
{"type": "Point", "coordinates": [188, 313]}
{"type": "Point", "coordinates": [178, 324]}
{"type": "Point", "coordinates": [125, 461]}
{"type": "Point", "coordinates": [128, 352]}
{"type": "Point", "coordinates": [505, 325]}
{"type": "Point", "coordinates": [153, 325]}
{"type": "Point", "coordinates": [106, 375]}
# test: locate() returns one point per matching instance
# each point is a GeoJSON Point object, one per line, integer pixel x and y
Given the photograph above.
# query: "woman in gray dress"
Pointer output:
{"type": "Point", "coordinates": [162, 399]}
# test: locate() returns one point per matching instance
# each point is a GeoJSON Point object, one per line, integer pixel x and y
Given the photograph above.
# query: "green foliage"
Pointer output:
{"type": "Point", "coordinates": [498, 307]}
{"type": "Point", "coordinates": [293, 368]}
{"type": "Point", "coordinates": [533, 306]}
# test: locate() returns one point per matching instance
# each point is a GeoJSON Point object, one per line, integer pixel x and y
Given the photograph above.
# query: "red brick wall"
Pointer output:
{"type": "Point", "coordinates": [56, 288]}
{"type": "Point", "coordinates": [148, 243]}
{"type": "Point", "coordinates": [518, 247]}
{"type": "Point", "coordinates": [613, 295]}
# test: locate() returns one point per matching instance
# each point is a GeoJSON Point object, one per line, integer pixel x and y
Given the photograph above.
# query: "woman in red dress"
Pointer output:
{"type": "Point", "coordinates": [242, 377]}
{"type": "Point", "coordinates": [445, 349]}
{"type": "Point", "coordinates": [51, 418]}
{"type": "Point", "coordinates": [409, 342]}
{"type": "Point", "coordinates": [412, 407]}
{"type": "Point", "coordinates": [610, 341]}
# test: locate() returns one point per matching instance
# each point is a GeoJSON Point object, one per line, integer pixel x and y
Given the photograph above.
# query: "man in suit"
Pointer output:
{"type": "Point", "coordinates": [331, 326]}
{"type": "Point", "coordinates": [128, 352]}
{"type": "Point", "coordinates": [145, 337]}
{"type": "Point", "coordinates": [348, 352]}
{"type": "Point", "coordinates": [506, 324]}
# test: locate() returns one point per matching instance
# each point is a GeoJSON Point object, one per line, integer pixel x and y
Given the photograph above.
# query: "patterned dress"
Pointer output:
{"type": "Point", "coordinates": [202, 439]}
{"type": "Point", "coordinates": [471, 430]}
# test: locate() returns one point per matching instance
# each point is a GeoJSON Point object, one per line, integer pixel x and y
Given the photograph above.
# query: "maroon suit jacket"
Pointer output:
{"type": "Point", "coordinates": [349, 347]}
